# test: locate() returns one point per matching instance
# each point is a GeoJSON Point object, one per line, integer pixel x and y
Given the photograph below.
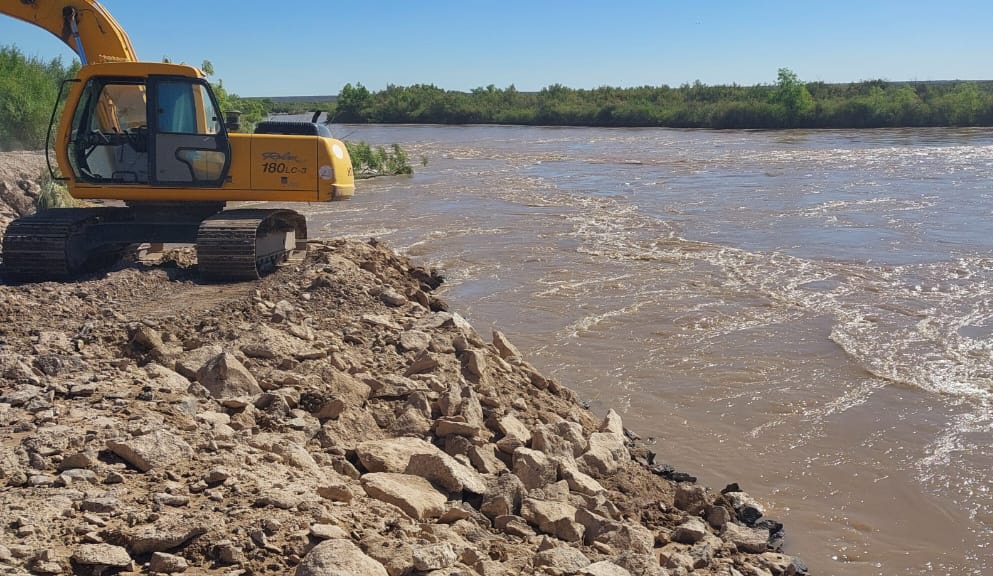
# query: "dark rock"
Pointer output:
{"type": "Point", "coordinates": [749, 515]}
{"type": "Point", "coordinates": [669, 473]}
{"type": "Point", "coordinates": [429, 279]}
{"type": "Point", "coordinates": [745, 507]}
{"type": "Point", "coordinates": [777, 532]}
{"type": "Point", "coordinates": [56, 364]}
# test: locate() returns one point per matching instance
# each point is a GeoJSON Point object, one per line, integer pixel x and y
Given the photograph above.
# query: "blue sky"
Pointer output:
{"type": "Point", "coordinates": [310, 47]}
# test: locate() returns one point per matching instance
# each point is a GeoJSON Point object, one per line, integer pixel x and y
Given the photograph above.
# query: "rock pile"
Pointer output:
{"type": "Point", "coordinates": [19, 188]}
{"type": "Point", "coordinates": [334, 418]}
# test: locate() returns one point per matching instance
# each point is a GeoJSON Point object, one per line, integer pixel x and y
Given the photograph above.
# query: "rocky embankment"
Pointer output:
{"type": "Point", "coordinates": [334, 418]}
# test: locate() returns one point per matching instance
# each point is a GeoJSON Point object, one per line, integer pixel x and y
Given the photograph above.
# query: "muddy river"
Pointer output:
{"type": "Point", "coordinates": [809, 314]}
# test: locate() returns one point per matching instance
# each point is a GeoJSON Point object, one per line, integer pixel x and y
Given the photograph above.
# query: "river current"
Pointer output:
{"type": "Point", "coordinates": [806, 313]}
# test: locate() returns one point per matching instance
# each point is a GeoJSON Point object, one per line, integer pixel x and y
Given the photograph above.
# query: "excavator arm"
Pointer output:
{"type": "Point", "coordinates": [84, 25]}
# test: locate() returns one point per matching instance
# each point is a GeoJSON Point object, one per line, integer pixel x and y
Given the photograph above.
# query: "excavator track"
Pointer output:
{"type": "Point", "coordinates": [55, 244]}
{"type": "Point", "coordinates": [246, 244]}
{"type": "Point", "coordinates": [232, 245]}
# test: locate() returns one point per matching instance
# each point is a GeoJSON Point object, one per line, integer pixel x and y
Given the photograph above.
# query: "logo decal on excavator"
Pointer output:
{"type": "Point", "coordinates": [325, 172]}
{"type": "Point", "coordinates": [285, 156]}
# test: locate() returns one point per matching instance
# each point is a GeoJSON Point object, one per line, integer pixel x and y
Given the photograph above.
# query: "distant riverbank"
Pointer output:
{"type": "Point", "coordinates": [789, 103]}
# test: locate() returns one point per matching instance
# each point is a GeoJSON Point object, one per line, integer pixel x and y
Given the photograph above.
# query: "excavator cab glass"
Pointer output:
{"type": "Point", "coordinates": [109, 140]}
{"type": "Point", "coordinates": [159, 130]}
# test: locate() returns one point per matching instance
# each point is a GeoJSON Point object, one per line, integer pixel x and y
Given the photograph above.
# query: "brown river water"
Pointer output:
{"type": "Point", "coordinates": [809, 314]}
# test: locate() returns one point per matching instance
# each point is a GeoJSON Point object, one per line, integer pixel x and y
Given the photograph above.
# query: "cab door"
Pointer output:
{"type": "Point", "coordinates": [190, 146]}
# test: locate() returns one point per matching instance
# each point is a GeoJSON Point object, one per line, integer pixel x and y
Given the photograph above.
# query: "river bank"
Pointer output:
{"type": "Point", "coordinates": [335, 412]}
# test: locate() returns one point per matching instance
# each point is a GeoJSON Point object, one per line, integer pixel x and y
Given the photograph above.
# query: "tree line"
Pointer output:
{"type": "Point", "coordinates": [788, 103]}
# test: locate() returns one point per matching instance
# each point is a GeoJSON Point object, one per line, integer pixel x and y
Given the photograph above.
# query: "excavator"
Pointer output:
{"type": "Point", "coordinates": [151, 136]}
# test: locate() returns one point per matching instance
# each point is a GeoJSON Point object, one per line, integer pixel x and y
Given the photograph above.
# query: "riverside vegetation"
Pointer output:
{"type": "Point", "coordinates": [789, 103]}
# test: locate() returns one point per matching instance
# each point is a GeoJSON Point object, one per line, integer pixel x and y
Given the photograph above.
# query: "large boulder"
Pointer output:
{"type": "Point", "coordinates": [554, 518]}
{"type": "Point", "coordinates": [392, 454]}
{"type": "Point", "coordinates": [447, 472]}
{"type": "Point", "coordinates": [513, 429]}
{"type": "Point", "coordinates": [689, 532]}
{"type": "Point", "coordinates": [165, 534]}
{"type": "Point", "coordinates": [225, 377]}
{"type": "Point", "coordinates": [562, 560]}
{"type": "Point", "coordinates": [504, 495]}
{"type": "Point", "coordinates": [339, 558]}
{"type": "Point", "coordinates": [412, 494]}
{"type": "Point", "coordinates": [101, 555]}
{"type": "Point", "coordinates": [604, 456]}
{"type": "Point", "coordinates": [534, 468]}
{"type": "Point", "coordinates": [157, 449]}
{"type": "Point", "coordinates": [745, 539]}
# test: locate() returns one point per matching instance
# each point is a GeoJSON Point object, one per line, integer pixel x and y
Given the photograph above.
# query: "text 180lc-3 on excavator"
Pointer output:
{"type": "Point", "coordinates": [151, 134]}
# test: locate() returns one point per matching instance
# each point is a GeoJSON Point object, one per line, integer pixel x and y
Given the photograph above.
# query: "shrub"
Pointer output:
{"type": "Point", "coordinates": [368, 161]}
{"type": "Point", "coordinates": [54, 195]}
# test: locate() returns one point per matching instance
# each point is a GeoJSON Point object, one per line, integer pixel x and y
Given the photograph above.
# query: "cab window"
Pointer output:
{"type": "Point", "coordinates": [179, 104]}
{"type": "Point", "coordinates": [110, 140]}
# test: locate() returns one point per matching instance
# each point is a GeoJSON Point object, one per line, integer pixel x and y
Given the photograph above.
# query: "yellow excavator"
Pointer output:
{"type": "Point", "coordinates": [152, 135]}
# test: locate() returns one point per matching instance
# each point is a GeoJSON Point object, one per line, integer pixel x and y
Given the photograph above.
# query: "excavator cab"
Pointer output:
{"type": "Point", "coordinates": [157, 129]}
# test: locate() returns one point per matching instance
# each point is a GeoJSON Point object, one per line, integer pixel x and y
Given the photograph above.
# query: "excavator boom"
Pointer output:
{"type": "Point", "coordinates": [84, 25]}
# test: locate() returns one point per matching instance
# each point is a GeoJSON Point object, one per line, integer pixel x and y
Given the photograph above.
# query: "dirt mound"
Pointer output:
{"type": "Point", "coordinates": [333, 418]}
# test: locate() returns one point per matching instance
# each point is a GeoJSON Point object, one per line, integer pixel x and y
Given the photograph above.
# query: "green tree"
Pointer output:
{"type": "Point", "coordinates": [964, 105]}
{"type": "Point", "coordinates": [28, 91]}
{"type": "Point", "coordinates": [792, 95]}
{"type": "Point", "coordinates": [352, 103]}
